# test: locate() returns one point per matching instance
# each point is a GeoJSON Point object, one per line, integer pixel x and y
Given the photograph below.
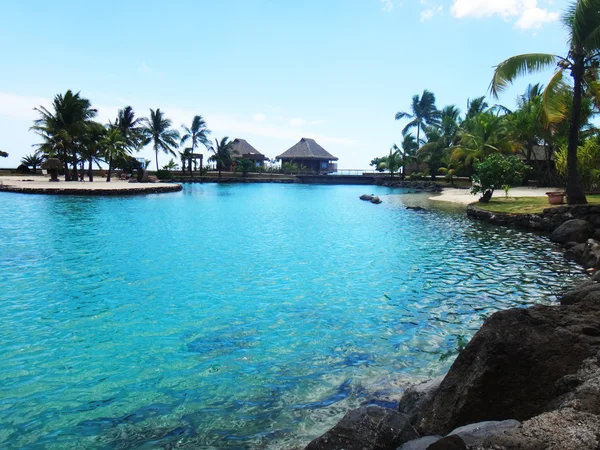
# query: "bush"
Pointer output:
{"type": "Point", "coordinates": [495, 172]}
{"type": "Point", "coordinates": [163, 174]}
{"type": "Point", "coordinates": [588, 163]}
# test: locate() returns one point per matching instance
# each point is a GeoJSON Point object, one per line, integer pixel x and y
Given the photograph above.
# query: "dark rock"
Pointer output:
{"type": "Point", "coordinates": [369, 427]}
{"type": "Point", "coordinates": [575, 253]}
{"type": "Point", "coordinates": [417, 399]}
{"type": "Point", "coordinates": [596, 235]}
{"type": "Point", "coordinates": [591, 254]}
{"type": "Point", "coordinates": [415, 208]}
{"type": "Point", "coordinates": [23, 169]}
{"type": "Point", "coordinates": [584, 292]}
{"type": "Point", "coordinates": [452, 442]}
{"type": "Point", "coordinates": [569, 245]}
{"type": "Point", "coordinates": [564, 429]}
{"type": "Point", "coordinates": [511, 366]}
{"type": "Point", "coordinates": [366, 197]}
{"type": "Point", "coordinates": [420, 444]}
{"type": "Point", "coordinates": [376, 200]}
{"type": "Point", "coordinates": [477, 433]}
{"type": "Point", "coordinates": [575, 230]}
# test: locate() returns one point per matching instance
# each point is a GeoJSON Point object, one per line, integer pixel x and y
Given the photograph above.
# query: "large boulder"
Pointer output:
{"type": "Point", "coordinates": [478, 433]}
{"type": "Point", "coordinates": [417, 398]}
{"type": "Point", "coordinates": [366, 197]}
{"type": "Point", "coordinates": [367, 428]}
{"type": "Point", "coordinates": [511, 367]}
{"type": "Point", "coordinates": [574, 230]}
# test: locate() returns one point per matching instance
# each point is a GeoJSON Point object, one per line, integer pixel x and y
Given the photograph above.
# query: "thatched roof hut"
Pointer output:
{"type": "Point", "coordinates": [240, 148]}
{"type": "Point", "coordinates": [51, 163]}
{"type": "Point", "coordinates": [307, 149]}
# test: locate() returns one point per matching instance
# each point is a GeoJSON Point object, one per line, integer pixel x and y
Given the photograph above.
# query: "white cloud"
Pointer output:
{"type": "Point", "coordinates": [527, 12]}
{"type": "Point", "coordinates": [258, 117]}
{"type": "Point", "coordinates": [535, 18]}
{"type": "Point", "coordinates": [386, 5]}
{"type": "Point", "coordinates": [296, 122]}
{"type": "Point", "coordinates": [427, 14]}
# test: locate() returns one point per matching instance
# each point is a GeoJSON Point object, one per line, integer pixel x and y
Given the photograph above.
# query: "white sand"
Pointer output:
{"type": "Point", "coordinates": [464, 196]}
{"type": "Point", "coordinates": [99, 183]}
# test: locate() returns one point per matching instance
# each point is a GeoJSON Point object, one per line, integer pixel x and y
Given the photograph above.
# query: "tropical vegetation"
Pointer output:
{"type": "Point", "coordinates": [497, 172]}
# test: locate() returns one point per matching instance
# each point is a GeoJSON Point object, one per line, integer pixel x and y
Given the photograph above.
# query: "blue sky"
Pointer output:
{"type": "Point", "coordinates": [267, 71]}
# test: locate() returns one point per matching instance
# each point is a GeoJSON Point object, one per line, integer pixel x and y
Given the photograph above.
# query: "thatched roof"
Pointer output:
{"type": "Point", "coordinates": [241, 149]}
{"type": "Point", "coordinates": [51, 163]}
{"type": "Point", "coordinates": [307, 149]}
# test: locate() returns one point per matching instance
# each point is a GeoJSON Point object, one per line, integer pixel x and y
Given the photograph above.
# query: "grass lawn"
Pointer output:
{"type": "Point", "coordinates": [524, 205]}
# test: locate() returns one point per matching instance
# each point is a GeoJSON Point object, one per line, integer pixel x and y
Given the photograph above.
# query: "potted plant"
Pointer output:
{"type": "Point", "coordinates": [556, 197]}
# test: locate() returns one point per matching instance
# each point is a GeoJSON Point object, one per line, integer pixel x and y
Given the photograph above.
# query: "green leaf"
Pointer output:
{"type": "Point", "coordinates": [512, 68]}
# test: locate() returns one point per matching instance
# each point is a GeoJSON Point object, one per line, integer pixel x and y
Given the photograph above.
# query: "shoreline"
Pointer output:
{"type": "Point", "coordinates": [39, 184]}
{"type": "Point", "coordinates": [464, 196]}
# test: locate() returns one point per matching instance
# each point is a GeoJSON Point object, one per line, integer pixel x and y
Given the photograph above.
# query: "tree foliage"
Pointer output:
{"type": "Point", "coordinates": [495, 172]}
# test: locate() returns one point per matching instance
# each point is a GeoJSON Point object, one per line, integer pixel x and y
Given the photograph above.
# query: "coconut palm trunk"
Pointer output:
{"type": "Point", "coordinates": [575, 194]}
{"type": "Point", "coordinates": [109, 170]}
{"type": "Point", "coordinates": [90, 170]}
{"type": "Point", "coordinates": [156, 153]}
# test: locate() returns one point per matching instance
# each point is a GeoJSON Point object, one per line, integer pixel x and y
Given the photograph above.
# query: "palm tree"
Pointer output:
{"type": "Point", "coordinates": [487, 135]}
{"type": "Point", "coordinates": [222, 154]}
{"type": "Point", "coordinates": [582, 20]}
{"type": "Point", "coordinates": [92, 146]}
{"type": "Point", "coordinates": [197, 134]}
{"type": "Point", "coordinates": [61, 128]}
{"type": "Point", "coordinates": [32, 160]}
{"type": "Point", "coordinates": [475, 107]}
{"type": "Point", "coordinates": [393, 161]}
{"type": "Point", "coordinates": [409, 151]}
{"type": "Point", "coordinates": [440, 139]}
{"type": "Point", "coordinates": [115, 146]}
{"type": "Point", "coordinates": [423, 112]}
{"type": "Point", "coordinates": [157, 130]}
{"type": "Point", "coordinates": [129, 127]}
{"type": "Point", "coordinates": [3, 154]}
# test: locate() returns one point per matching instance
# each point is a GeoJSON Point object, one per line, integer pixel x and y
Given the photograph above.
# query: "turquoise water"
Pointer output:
{"type": "Point", "coordinates": [242, 316]}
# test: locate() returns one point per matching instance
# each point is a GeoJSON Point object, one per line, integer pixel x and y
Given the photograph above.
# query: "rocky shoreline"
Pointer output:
{"type": "Point", "coordinates": [529, 379]}
{"type": "Point", "coordinates": [117, 191]}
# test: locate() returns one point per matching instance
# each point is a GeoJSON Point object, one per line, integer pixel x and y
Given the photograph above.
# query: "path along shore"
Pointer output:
{"type": "Point", "coordinates": [464, 196]}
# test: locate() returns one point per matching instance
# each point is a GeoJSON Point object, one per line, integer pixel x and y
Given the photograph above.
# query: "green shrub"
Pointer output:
{"type": "Point", "coordinates": [163, 174]}
{"type": "Point", "coordinates": [588, 163]}
{"type": "Point", "coordinates": [495, 172]}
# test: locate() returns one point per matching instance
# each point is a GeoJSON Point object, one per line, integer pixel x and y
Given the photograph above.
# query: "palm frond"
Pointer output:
{"type": "Point", "coordinates": [553, 106]}
{"type": "Point", "coordinates": [512, 68]}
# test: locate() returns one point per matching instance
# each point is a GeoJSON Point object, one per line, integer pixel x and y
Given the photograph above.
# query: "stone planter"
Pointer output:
{"type": "Point", "coordinates": [556, 198]}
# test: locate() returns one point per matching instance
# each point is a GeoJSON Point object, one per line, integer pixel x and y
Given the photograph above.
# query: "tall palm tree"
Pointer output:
{"type": "Point", "coordinates": [32, 160]}
{"type": "Point", "coordinates": [582, 20]}
{"type": "Point", "coordinates": [423, 113]}
{"type": "Point", "coordinates": [92, 146]}
{"type": "Point", "coordinates": [196, 134]}
{"type": "Point", "coordinates": [222, 154]}
{"type": "Point", "coordinates": [64, 125]}
{"type": "Point", "coordinates": [130, 127]}
{"type": "Point", "coordinates": [114, 146]}
{"type": "Point", "coordinates": [440, 139]}
{"type": "Point", "coordinates": [157, 130]}
{"type": "Point", "coordinates": [475, 107]}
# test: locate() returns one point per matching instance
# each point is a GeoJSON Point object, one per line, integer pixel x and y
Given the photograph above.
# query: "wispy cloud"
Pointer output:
{"type": "Point", "coordinates": [386, 5]}
{"type": "Point", "coordinates": [526, 12]}
{"type": "Point", "coordinates": [431, 9]}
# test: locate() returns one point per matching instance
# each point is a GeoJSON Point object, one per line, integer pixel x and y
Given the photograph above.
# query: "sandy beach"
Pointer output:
{"type": "Point", "coordinates": [40, 184]}
{"type": "Point", "coordinates": [464, 196]}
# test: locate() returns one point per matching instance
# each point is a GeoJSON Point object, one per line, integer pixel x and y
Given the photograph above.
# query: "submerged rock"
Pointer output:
{"type": "Point", "coordinates": [415, 208]}
{"type": "Point", "coordinates": [376, 200]}
{"type": "Point", "coordinates": [369, 427]}
{"type": "Point", "coordinates": [366, 197]}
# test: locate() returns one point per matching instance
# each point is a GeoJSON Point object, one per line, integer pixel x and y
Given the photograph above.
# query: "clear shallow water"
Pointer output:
{"type": "Point", "coordinates": [238, 316]}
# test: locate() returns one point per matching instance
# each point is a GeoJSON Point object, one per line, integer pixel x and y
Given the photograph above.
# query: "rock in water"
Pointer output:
{"type": "Point", "coordinates": [575, 230]}
{"type": "Point", "coordinates": [417, 398]}
{"type": "Point", "coordinates": [367, 428]}
{"type": "Point", "coordinates": [415, 208]}
{"type": "Point", "coordinates": [510, 369]}
{"type": "Point", "coordinates": [366, 197]}
{"type": "Point", "coordinates": [376, 200]}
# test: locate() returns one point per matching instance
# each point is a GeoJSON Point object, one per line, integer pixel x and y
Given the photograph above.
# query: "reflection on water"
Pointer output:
{"type": "Point", "coordinates": [239, 316]}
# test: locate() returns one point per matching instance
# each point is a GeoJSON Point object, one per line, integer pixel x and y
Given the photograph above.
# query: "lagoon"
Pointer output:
{"type": "Point", "coordinates": [239, 316]}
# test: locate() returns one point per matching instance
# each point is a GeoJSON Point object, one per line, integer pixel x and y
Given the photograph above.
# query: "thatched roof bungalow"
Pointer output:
{"type": "Point", "coordinates": [311, 155]}
{"type": "Point", "coordinates": [241, 149]}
